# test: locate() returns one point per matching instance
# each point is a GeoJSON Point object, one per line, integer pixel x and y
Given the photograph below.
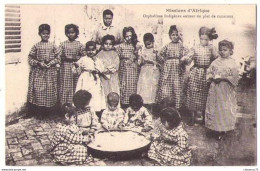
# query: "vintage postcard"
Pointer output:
{"type": "Point", "coordinates": [130, 85]}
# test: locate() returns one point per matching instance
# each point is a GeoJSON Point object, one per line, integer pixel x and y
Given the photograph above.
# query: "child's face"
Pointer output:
{"type": "Point", "coordinates": [45, 35]}
{"type": "Point", "coordinates": [128, 37]}
{"type": "Point", "coordinates": [113, 105]}
{"type": "Point", "coordinates": [224, 52]}
{"type": "Point", "coordinates": [174, 36]}
{"type": "Point", "coordinates": [204, 40]}
{"type": "Point", "coordinates": [107, 19]}
{"type": "Point", "coordinates": [70, 120]}
{"type": "Point", "coordinates": [91, 51]}
{"type": "Point", "coordinates": [135, 107]}
{"type": "Point", "coordinates": [149, 44]}
{"type": "Point", "coordinates": [108, 45]}
{"type": "Point", "coordinates": [71, 34]}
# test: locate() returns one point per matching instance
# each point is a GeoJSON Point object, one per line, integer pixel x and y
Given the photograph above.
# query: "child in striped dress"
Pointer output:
{"type": "Point", "coordinates": [170, 83]}
{"type": "Point", "coordinates": [197, 89]}
{"type": "Point", "coordinates": [170, 141]}
{"type": "Point", "coordinates": [72, 51]}
{"type": "Point", "coordinates": [69, 140]}
{"type": "Point", "coordinates": [128, 67]}
{"type": "Point", "coordinates": [149, 74]}
{"type": "Point", "coordinates": [110, 60]}
{"type": "Point", "coordinates": [43, 77]}
{"type": "Point", "coordinates": [221, 105]}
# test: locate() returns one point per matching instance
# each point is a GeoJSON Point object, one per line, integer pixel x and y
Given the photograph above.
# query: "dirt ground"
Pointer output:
{"type": "Point", "coordinates": [28, 141]}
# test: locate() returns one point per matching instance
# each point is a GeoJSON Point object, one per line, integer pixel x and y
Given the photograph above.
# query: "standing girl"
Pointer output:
{"type": "Point", "coordinates": [110, 59]}
{"type": "Point", "coordinates": [149, 74]}
{"type": "Point", "coordinates": [43, 57]}
{"type": "Point", "coordinates": [170, 83]}
{"type": "Point", "coordinates": [197, 89]}
{"type": "Point", "coordinates": [128, 68]}
{"type": "Point", "coordinates": [72, 51]}
{"type": "Point", "coordinates": [221, 102]}
{"type": "Point", "coordinates": [91, 69]}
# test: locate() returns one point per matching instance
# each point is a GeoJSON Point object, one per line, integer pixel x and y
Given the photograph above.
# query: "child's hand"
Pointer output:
{"type": "Point", "coordinates": [146, 129]}
{"type": "Point", "coordinates": [138, 123]}
{"type": "Point", "coordinates": [92, 131]}
{"type": "Point", "coordinates": [42, 65]}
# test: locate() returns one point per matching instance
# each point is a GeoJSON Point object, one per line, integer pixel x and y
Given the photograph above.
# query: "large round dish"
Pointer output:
{"type": "Point", "coordinates": [119, 145]}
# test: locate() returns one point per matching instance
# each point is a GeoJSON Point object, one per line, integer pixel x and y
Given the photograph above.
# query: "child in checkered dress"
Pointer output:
{"type": "Point", "coordinates": [113, 115]}
{"type": "Point", "coordinates": [128, 68]}
{"type": "Point", "coordinates": [43, 77]}
{"type": "Point", "coordinates": [149, 74]}
{"type": "Point", "coordinates": [91, 70]}
{"type": "Point", "coordinates": [137, 117]}
{"type": "Point", "coordinates": [170, 83]}
{"type": "Point", "coordinates": [110, 59]}
{"type": "Point", "coordinates": [69, 140]}
{"type": "Point", "coordinates": [72, 50]}
{"type": "Point", "coordinates": [170, 141]}
{"type": "Point", "coordinates": [197, 90]}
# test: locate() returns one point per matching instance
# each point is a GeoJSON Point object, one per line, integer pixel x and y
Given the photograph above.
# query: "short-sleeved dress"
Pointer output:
{"type": "Point", "coordinates": [197, 89]}
{"type": "Point", "coordinates": [71, 51]}
{"type": "Point", "coordinates": [170, 148]}
{"type": "Point", "coordinates": [91, 82]}
{"type": "Point", "coordinates": [128, 71]}
{"type": "Point", "coordinates": [149, 76]}
{"type": "Point", "coordinates": [43, 83]}
{"type": "Point", "coordinates": [221, 102]}
{"type": "Point", "coordinates": [170, 83]}
{"type": "Point", "coordinates": [110, 61]}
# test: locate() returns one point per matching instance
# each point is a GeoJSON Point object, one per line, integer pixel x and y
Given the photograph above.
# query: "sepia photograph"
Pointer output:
{"type": "Point", "coordinates": [130, 85]}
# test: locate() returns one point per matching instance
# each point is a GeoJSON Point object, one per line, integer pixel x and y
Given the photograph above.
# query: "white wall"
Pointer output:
{"type": "Point", "coordinates": [87, 18]}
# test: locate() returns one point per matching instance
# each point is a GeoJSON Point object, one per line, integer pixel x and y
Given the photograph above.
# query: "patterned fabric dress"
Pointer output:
{"type": "Point", "coordinates": [111, 119]}
{"type": "Point", "coordinates": [170, 147]}
{"type": "Point", "coordinates": [136, 120]}
{"type": "Point", "coordinates": [128, 72]}
{"type": "Point", "coordinates": [68, 145]}
{"type": "Point", "coordinates": [110, 61]}
{"type": "Point", "coordinates": [149, 76]}
{"type": "Point", "coordinates": [71, 52]}
{"type": "Point", "coordinates": [87, 81]}
{"type": "Point", "coordinates": [221, 102]}
{"type": "Point", "coordinates": [87, 118]}
{"type": "Point", "coordinates": [197, 89]}
{"type": "Point", "coordinates": [43, 90]}
{"type": "Point", "coordinates": [170, 83]}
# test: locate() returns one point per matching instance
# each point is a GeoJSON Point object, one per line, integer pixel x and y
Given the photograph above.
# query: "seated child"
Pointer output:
{"type": "Point", "coordinates": [169, 146]}
{"type": "Point", "coordinates": [137, 116]}
{"type": "Point", "coordinates": [113, 115]}
{"type": "Point", "coordinates": [68, 143]}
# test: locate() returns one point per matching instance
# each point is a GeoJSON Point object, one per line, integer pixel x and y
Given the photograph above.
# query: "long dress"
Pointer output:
{"type": "Point", "coordinates": [87, 81]}
{"type": "Point", "coordinates": [43, 90]}
{"type": "Point", "coordinates": [71, 52]}
{"type": "Point", "coordinates": [149, 76]}
{"type": "Point", "coordinates": [128, 71]}
{"type": "Point", "coordinates": [197, 89]}
{"type": "Point", "coordinates": [170, 148]}
{"type": "Point", "coordinates": [221, 102]}
{"type": "Point", "coordinates": [110, 61]}
{"type": "Point", "coordinates": [170, 83]}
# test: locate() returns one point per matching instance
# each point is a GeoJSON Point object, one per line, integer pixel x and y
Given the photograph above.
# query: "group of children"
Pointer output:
{"type": "Point", "coordinates": [99, 81]}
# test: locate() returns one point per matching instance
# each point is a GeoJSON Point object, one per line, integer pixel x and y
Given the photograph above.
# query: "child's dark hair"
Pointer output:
{"type": "Point", "coordinates": [107, 12]}
{"type": "Point", "coordinates": [81, 98]}
{"type": "Point", "coordinates": [227, 44]}
{"type": "Point", "coordinates": [68, 108]}
{"type": "Point", "coordinates": [75, 28]}
{"type": "Point", "coordinates": [211, 33]}
{"type": "Point", "coordinates": [108, 37]}
{"type": "Point", "coordinates": [136, 100]}
{"type": "Point", "coordinates": [172, 29]}
{"type": "Point", "coordinates": [167, 102]}
{"type": "Point", "coordinates": [91, 43]}
{"type": "Point", "coordinates": [43, 27]}
{"type": "Point", "coordinates": [148, 37]}
{"type": "Point", "coordinates": [134, 36]}
{"type": "Point", "coordinates": [171, 115]}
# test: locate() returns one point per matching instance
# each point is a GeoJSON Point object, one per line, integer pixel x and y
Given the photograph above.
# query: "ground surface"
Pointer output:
{"type": "Point", "coordinates": [28, 141]}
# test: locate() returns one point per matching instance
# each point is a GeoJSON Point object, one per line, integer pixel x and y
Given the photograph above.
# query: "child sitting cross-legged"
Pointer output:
{"type": "Point", "coordinates": [70, 139]}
